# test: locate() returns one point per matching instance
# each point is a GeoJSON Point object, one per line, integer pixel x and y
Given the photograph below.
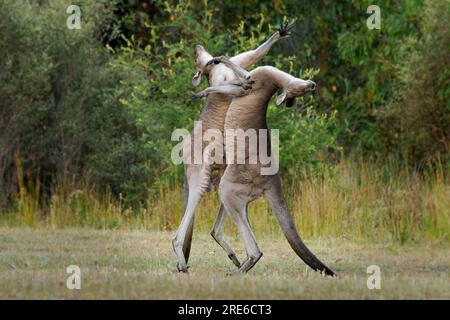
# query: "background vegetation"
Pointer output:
{"type": "Point", "coordinates": [86, 115]}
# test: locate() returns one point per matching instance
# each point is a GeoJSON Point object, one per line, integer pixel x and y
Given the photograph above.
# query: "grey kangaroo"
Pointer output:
{"type": "Point", "coordinates": [243, 183]}
{"type": "Point", "coordinates": [198, 177]}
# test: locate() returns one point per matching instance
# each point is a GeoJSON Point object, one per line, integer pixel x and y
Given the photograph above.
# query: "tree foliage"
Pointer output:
{"type": "Point", "coordinates": [417, 116]}
{"type": "Point", "coordinates": [100, 103]}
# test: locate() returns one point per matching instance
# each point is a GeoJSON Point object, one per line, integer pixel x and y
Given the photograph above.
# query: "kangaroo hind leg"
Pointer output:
{"type": "Point", "coordinates": [237, 209]}
{"type": "Point", "coordinates": [198, 184]}
{"type": "Point", "coordinates": [218, 234]}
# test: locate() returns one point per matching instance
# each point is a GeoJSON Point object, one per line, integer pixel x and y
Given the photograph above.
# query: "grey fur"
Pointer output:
{"type": "Point", "coordinates": [198, 178]}
{"type": "Point", "coordinates": [243, 183]}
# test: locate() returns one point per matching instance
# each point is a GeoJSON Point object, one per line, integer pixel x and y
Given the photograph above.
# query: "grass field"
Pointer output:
{"type": "Point", "coordinates": [121, 264]}
{"type": "Point", "coordinates": [361, 201]}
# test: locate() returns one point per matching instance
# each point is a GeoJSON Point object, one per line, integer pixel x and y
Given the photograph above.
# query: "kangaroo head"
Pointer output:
{"type": "Point", "coordinates": [201, 59]}
{"type": "Point", "coordinates": [295, 88]}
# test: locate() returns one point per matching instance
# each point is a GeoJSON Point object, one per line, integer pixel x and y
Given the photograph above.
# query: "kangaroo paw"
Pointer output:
{"type": "Point", "coordinates": [198, 95]}
{"type": "Point", "coordinates": [235, 260]}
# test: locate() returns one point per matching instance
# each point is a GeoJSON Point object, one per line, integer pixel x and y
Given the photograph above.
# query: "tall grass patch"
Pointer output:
{"type": "Point", "coordinates": [354, 199]}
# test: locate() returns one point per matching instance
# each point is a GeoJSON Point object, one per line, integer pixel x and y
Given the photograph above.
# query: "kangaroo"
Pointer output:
{"type": "Point", "coordinates": [243, 183]}
{"type": "Point", "coordinates": [198, 177]}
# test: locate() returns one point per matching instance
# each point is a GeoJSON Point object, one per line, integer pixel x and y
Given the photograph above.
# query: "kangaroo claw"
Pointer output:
{"type": "Point", "coordinates": [285, 28]}
{"type": "Point", "coordinates": [183, 269]}
{"type": "Point", "coordinates": [197, 96]}
{"type": "Point", "coordinates": [247, 84]}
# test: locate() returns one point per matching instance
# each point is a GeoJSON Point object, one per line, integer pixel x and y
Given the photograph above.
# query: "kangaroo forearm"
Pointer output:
{"type": "Point", "coordinates": [240, 72]}
{"type": "Point", "coordinates": [230, 90]}
{"type": "Point", "coordinates": [248, 58]}
{"type": "Point", "coordinates": [263, 49]}
{"type": "Point", "coordinates": [280, 78]}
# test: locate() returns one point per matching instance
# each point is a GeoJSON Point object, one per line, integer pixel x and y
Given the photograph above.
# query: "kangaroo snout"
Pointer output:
{"type": "Point", "coordinates": [312, 85]}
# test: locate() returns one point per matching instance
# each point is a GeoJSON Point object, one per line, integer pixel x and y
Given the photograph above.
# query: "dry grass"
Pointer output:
{"type": "Point", "coordinates": [356, 200]}
{"type": "Point", "coordinates": [140, 264]}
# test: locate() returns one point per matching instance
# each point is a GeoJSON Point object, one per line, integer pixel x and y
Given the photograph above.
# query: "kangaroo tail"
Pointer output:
{"type": "Point", "coordinates": [286, 222]}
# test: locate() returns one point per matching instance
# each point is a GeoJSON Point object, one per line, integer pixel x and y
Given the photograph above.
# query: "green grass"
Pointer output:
{"type": "Point", "coordinates": [133, 264]}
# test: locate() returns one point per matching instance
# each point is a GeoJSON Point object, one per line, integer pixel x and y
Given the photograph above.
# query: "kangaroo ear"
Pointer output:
{"type": "Point", "coordinates": [197, 78]}
{"type": "Point", "coordinates": [280, 99]}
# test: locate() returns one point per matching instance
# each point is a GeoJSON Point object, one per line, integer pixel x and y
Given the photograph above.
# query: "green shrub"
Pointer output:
{"type": "Point", "coordinates": [416, 121]}
{"type": "Point", "coordinates": [59, 112]}
{"type": "Point", "coordinates": [159, 99]}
